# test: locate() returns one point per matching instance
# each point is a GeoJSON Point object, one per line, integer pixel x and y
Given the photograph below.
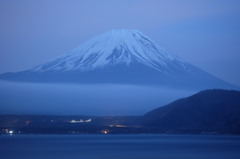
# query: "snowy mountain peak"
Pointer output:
{"type": "Point", "coordinates": [120, 56]}
{"type": "Point", "coordinates": [117, 46]}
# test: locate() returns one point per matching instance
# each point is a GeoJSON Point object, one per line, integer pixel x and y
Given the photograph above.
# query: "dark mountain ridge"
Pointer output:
{"type": "Point", "coordinates": [209, 110]}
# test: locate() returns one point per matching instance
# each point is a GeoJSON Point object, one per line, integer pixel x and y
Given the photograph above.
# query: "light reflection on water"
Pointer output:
{"type": "Point", "coordinates": [119, 147]}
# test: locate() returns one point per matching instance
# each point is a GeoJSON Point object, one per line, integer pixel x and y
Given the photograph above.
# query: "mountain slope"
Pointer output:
{"type": "Point", "coordinates": [210, 111]}
{"type": "Point", "coordinates": [120, 56]}
{"type": "Point", "coordinates": [117, 46]}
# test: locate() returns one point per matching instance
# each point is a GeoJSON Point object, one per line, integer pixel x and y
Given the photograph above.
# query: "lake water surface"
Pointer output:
{"type": "Point", "coordinates": [119, 147]}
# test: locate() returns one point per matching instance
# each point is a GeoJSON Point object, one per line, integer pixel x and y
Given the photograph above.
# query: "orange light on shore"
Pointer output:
{"type": "Point", "coordinates": [105, 131]}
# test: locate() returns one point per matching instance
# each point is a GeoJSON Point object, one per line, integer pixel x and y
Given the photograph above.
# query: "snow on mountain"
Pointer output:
{"type": "Point", "coordinates": [120, 56]}
{"type": "Point", "coordinates": [117, 46]}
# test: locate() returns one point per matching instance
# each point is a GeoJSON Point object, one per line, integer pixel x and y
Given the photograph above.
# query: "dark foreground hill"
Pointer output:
{"type": "Point", "coordinates": [206, 111]}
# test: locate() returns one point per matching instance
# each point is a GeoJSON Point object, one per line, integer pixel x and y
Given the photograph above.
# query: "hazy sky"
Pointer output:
{"type": "Point", "coordinates": [205, 33]}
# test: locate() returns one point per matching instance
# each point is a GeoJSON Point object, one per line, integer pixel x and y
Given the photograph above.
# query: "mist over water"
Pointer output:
{"type": "Point", "coordinates": [75, 99]}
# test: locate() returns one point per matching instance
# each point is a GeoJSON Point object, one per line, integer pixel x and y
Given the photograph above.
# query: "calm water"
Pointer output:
{"type": "Point", "coordinates": [119, 147]}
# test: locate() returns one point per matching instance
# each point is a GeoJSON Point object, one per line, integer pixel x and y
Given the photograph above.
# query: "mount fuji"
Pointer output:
{"type": "Point", "coordinates": [120, 56]}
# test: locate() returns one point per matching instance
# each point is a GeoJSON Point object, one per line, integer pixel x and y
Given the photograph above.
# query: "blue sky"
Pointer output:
{"type": "Point", "coordinates": [205, 33]}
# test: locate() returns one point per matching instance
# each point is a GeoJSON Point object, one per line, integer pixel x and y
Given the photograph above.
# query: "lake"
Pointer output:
{"type": "Point", "coordinates": [119, 147]}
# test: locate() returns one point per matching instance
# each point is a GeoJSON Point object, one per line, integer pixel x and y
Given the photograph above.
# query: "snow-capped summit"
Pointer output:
{"type": "Point", "coordinates": [117, 46]}
{"type": "Point", "coordinates": [120, 56]}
